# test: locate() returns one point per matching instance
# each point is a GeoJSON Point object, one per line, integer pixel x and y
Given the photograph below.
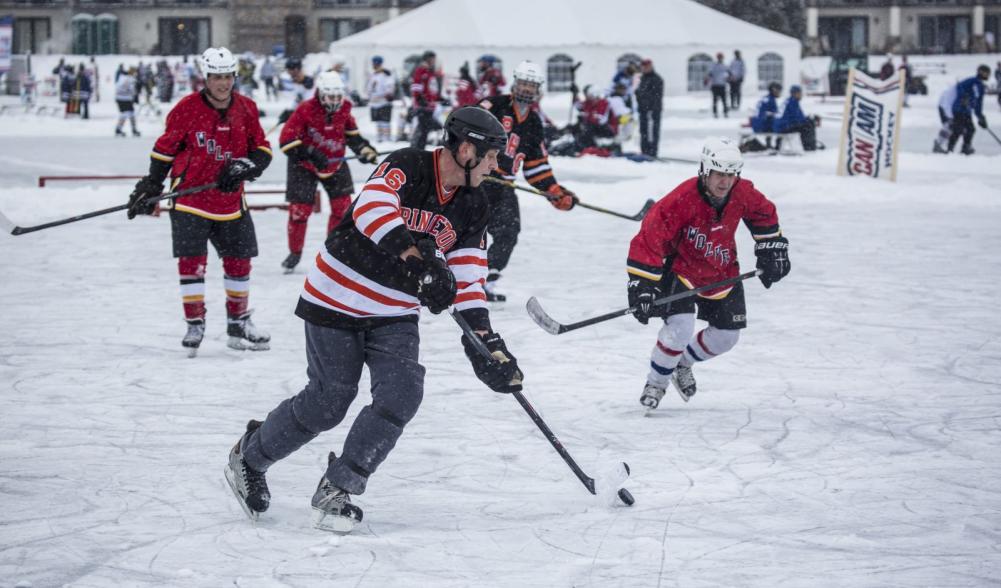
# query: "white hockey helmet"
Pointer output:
{"type": "Point", "coordinates": [218, 60]}
{"type": "Point", "coordinates": [336, 59]}
{"type": "Point", "coordinates": [720, 154]}
{"type": "Point", "coordinates": [330, 89]}
{"type": "Point", "coordinates": [528, 81]}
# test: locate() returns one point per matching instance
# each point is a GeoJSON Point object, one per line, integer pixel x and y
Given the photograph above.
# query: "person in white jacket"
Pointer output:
{"type": "Point", "coordinates": [941, 144]}
{"type": "Point", "coordinates": [381, 90]}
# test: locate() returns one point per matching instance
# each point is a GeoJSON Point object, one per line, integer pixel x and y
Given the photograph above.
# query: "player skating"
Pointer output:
{"type": "Point", "coordinates": [526, 148]}
{"type": "Point", "coordinates": [414, 237]}
{"type": "Point", "coordinates": [314, 138]}
{"type": "Point", "coordinates": [213, 135]}
{"type": "Point", "coordinates": [687, 241]}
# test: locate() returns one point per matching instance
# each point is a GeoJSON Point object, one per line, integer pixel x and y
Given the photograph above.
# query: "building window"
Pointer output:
{"type": "Point", "coordinates": [698, 68]}
{"type": "Point", "coordinates": [30, 34]}
{"type": "Point", "coordinates": [844, 35]}
{"type": "Point", "coordinates": [333, 29]}
{"type": "Point", "coordinates": [627, 58]}
{"type": "Point", "coordinates": [184, 36]}
{"type": "Point", "coordinates": [559, 73]}
{"type": "Point", "coordinates": [944, 34]}
{"type": "Point", "coordinates": [95, 35]}
{"type": "Point", "coordinates": [769, 70]}
{"type": "Point", "coordinates": [992, 31]}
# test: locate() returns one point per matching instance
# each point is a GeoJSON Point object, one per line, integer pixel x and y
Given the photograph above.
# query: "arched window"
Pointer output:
{"type": "Point", "coordinates": [559, 73]}
{"type": "Point", "coordinates": [769, 70]}
{"type": "Point", "coordinates": [698, 69]}
{"type": "Point", "coordinates": [625, 58]}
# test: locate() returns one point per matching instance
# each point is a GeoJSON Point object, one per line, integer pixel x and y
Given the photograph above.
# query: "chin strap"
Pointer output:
{"type": "Point", "coordinates": [468, 168]}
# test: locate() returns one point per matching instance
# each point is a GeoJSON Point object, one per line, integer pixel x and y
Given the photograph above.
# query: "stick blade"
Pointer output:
{"type": "Point", "coordinates": [643, 211]}
{"type": "Point", "coordinates": [7, 226]}
{"type": "Point", "coordinates": [609, 481]}
{"type": "Point", "coordinates": [541, 318]}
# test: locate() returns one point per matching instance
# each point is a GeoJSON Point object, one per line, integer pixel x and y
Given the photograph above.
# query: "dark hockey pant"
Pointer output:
{"type": "Point", "coordinates": [962, 126]}
{"type": "Point", "coordinates": [425, 124]}
{"type": "Point", "coordinates": [719, 93]}
{"type": "Point", "coordinates": [735, 94]}
{"type": "Point", "coordinates": [504, 224]}
{"type": "Point", "coordinates": [335, 359]}
{"type": "Point", "coordinates": [649, 132]}
{"type": "Point", "coordinates": [807, 134]}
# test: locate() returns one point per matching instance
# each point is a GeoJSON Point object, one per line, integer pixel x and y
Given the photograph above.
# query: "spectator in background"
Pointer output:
{"type": "Point", "coordinates": [793, 120]}
{"type": "Point", "coordinates": [736, 79]}
{"type": "Point", "coordinates": [888, 69]}
{"type": "Point", "coordinates": [466, 90]}
{"type": "Point", "coordinates": [764, 120]}
{"type": "Point", "coordinates": [490, 79]}
{"type": "Point", "coordinates": [969, 101]}
{"type": "Point", "coordinates": [622, 119]}
{"type": "Point", "coordinates": [125, 96]}
{"type": "Point", "coordinates": [625, 77]}
{"type": "Point", "coordinates": [908, 78]}
{"type": "Point", "coordinates": [164, 82]}
{"type": "Point", "coordinates": [426, 91]}
{"type": "Point", "coordinates": [245, 81]}
{"type": "Point", "coordinates": [381, 92]}
{"type": "Point", "coordinates": [716, 79]}
{"type": "Point", "coordinates": [268, 75]}
{"type": "Point", "coordinates": [593, 119]}
{"type": "Point", "coordinates": [997, 81]}
{"type": "Point", "coordinates": [650, 102]}
{"type": "Point", "coordinates": [945, 101]}
{"type": "Point", "coordinates": [82, 90]}
{"type": "Point", "coordinates": [95, 77]}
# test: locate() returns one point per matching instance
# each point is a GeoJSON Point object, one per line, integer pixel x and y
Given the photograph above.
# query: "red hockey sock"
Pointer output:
{"type": "Point", "coordinates": [237, 283]}
{"type": "Point", "coordinates": [192, 272]}
{"type": "Point", "coordinates": [338, 206]}
{"type": "Point", "coordinates": [298, 216]}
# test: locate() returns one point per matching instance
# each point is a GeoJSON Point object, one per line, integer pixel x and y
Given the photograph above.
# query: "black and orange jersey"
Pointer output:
{"type": "Point", "coordinates": [526, 144]}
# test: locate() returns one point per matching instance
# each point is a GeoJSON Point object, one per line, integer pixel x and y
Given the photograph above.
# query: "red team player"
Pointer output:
{"type": "Point", "coordinates": [414, 237]}
{"type": "Point", "coordinates": [212, 136]}
{"type": "Point", "coordinates": [425, 89]}
{"type": "Point", "coordinates": [687, 241]}
{"type": "Point", "coordinates": [314, 139]}
{"type": "Point", "coordinates": [526, 150]}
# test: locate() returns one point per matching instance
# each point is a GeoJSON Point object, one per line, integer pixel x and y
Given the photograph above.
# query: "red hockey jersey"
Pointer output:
{"type": "Point", "coordinates": [312, 126]}
{"type": "Point", "coordinates": [685, 235]}
{"type": "Point", "coordinates": [198, 141]}
{"type": "Point", "coordinates": [425, 88]}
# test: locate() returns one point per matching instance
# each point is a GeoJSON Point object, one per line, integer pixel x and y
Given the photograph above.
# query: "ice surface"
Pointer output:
{"type": "Point", "coordinates": [850, 439]}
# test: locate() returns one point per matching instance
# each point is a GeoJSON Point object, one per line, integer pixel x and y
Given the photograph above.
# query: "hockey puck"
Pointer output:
{"type": "Point", "coordinates": [626, 497]}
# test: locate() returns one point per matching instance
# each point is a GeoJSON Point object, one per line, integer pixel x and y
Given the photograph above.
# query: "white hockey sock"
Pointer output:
{"type": "Point", "coordinates": [669, 348]}
{"type": "Point", "coordinates": [709, 343]}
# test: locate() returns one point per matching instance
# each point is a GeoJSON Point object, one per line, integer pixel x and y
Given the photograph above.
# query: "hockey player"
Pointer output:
{"type": "Point", "coordinates": [466, 90]}
{"type": "Point", "coordinates": [296, 82]}
{"type": "Point", "coordinates": [489, 77]}
{"type": "Point", "coordinates": [213, 135]}
{"type": "Point", "coordinates": [945, 101]}
{"type": "Point", "coordinates": [381, 92]}
{"type": "Point", "coordinates": [414, 237]}
{"type": "Point", "coordinates": [314, 139]}
{"type": "Point", "coordinates": [969, 101]}
{"type": "Point", "coordinates": [687, 241]}
{"type": "Point", "coordinates": [125, 96]}
{"type": "Point", "coordinates": [518, 112]}
{"type": "Point", "coordinates": [425, 89]}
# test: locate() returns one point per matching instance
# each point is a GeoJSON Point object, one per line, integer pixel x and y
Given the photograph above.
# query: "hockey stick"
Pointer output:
{"type": "Point", "coordinates": [635, 217]}
{"type": "Point", "coordinates": [13, 229]}
{"type": "Point", "coordinates": [588, 481]}
{"type": "Point", "coordinates": [988, 129]}
{"type": "Point", "coordinates": [573, 84]}
{"type": "Point", "coordinates": [553, 327]}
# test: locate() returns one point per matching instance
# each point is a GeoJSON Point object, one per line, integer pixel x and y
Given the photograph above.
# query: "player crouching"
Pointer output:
{"type": "Point", "coordinates": [687, 241]}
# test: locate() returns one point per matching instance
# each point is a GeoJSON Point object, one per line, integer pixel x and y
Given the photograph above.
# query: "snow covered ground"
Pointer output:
{"type": "Point", "coordinates": [851, 439]}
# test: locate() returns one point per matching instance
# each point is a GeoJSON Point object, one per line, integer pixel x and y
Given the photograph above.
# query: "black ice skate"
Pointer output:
{"type": "Point", "coordinates": [243, 334]}
{"type": "Point", "coordinates": [332, 509]}
{"type": "Point", "coordinates": [193, 338]}
{"type": "Point", "coordinates": [967, 150]}
{"type": "Point", "coordinates": [291, 261]}
{"type": "Point", "coordinates": [684, 381]}
{"type": "Point", "coordinates": [248, 485]}
{"type": "Point", "coordinates": [490, 288]}
{"type": "Point", "coordinates": [651, 396]}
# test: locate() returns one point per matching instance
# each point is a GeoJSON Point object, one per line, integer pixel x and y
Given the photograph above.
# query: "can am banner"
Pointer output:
{"type": "Point", "coordinates": [870, 133]}
{"type": "Point", "coordinates": [6, 41]}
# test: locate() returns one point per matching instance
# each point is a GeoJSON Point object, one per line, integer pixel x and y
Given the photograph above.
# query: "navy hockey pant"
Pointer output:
{"type": "Point", "coordinates": [335, 360]}
{"type": "Point", "coordinates": [719, 95]}
{"type": "Point", "coordinates": [649, 132]}
{"type": "Point", "coordinates": [504, 224]}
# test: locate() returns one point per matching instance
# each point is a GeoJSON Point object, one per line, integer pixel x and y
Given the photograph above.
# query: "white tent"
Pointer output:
{"type": "Point", "coordinates": [679, 35]}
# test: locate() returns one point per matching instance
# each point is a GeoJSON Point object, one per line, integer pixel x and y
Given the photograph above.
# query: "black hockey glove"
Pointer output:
{"type": "Point", "coordinates": [368, 154]}
{"type": "Point", "coordinates": [642, 293]}
{"type": "Point", "coordinates": [982, 121]}
{"type": "Point", "coordinates": [435, 282]}
{"type": "Point", "coordinates": [284, 116]}
{"type": "Point", "coordinates": [773, 259]}
{"type": "Point", "coordinates": [143, 199]}
{"type": "Point", "coordinates": [316, 157]}
{"type": "Point", "coordinates": [500, 373]}
{"type": "Point", "coordinates": [235, 173]}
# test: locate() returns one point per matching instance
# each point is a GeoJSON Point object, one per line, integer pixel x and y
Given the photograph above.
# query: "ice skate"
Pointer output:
{"type": "Point", "coordinates": [119, 133]}
{"type": "Point", "coordinates": [937, 148]}
{"type": "Point", "coordinates": [291, 261]}
{"type": "Point", "coordinates": [651, 396]}
{"type": "Point", "coordinates": [136, 133]}
{"type": "Point", "coordinates": [248, 485]}
{"type": "Point", "coordinates": [332, 509]}
{"type": "Point", "coordinates": [193, 338]}
{"type": "Point", "coordinates": [967, 150]}
{"type": "Point", "coordinates": [243, 334]}
{"type": "Point", "coordinates": [490, 288]}
{"type": "Point", "coordinates": [684, 381]}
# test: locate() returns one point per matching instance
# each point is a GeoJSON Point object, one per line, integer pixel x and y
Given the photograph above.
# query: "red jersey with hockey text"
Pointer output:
{"type": "Point", "coordinates": [687, 236]}
{"type": "Point", "coordinates": [312, 126]}
{"type": "Point", "coordinates": [198, 141]}
{"type": "Point", "coordinates": [425, 88]}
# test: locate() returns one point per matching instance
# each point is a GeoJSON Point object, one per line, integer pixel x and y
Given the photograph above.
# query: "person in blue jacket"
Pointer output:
{"type": "Point", "coordinates": [768, 109]}
{"type": "Point", "coordinates": [969, 101]}
{"type": "Point", "coordinates": [792, 120]}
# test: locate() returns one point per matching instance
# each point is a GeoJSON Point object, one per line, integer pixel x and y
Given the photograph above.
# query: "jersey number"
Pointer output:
{"type": "Point", "coordinates": [395, 178]}
{"type": "Point", "coordinates": [513, 140]}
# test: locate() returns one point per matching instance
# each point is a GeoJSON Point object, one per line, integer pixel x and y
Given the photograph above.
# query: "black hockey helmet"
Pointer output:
{"type": "Point", "coordinates": [775, 87]}
{"type": "Point", "coordinates": [476, 125]}
{"type": "Point", "coordinates": [293, 63]}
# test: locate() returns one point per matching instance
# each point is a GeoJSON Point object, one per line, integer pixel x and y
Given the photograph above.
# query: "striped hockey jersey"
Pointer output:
{"type": "Point", "coordinates": [358, 280]}
{"type": "Point", "coordinates": [526, 143]}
